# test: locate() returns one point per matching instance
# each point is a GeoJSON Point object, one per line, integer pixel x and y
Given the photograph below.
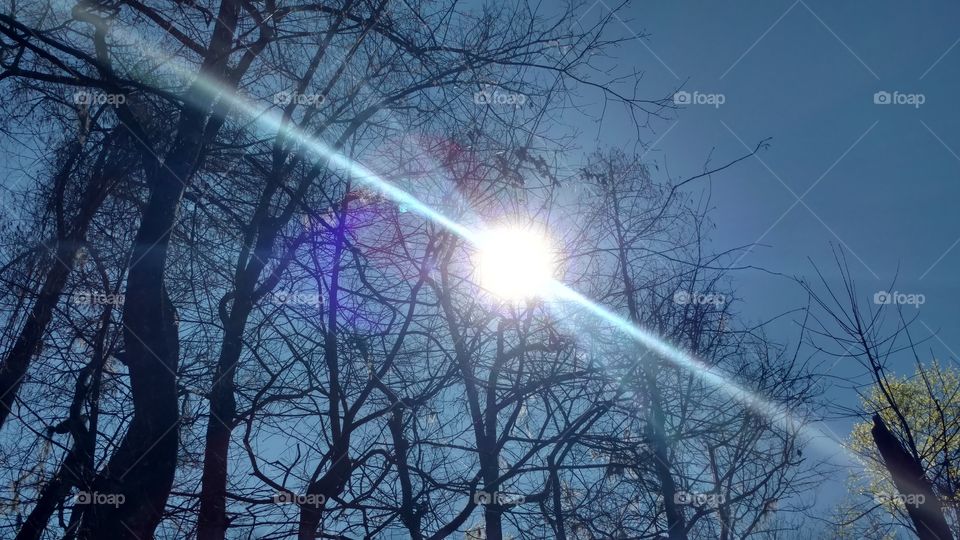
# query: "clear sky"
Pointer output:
{"type": "Point", "coordinates": [881, 180]}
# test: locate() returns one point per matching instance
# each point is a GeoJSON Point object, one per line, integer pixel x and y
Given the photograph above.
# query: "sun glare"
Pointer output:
{"type": "Point", "coordinates": [515, 263]}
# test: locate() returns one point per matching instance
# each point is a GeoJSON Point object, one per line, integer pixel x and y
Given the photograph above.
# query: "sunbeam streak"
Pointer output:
{"type": "Point", "coordinates": [268, 118]}
{"type": "Point", "coordinates": [774, 412]}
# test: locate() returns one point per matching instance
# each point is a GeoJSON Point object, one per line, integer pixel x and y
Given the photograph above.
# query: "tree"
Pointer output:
{"type": "Point", "coordinates": [697, 441]}
{"type": "Point", "coordinates": [865, 336]}
{"type": "Point", "coordinates": [928, 401]}
{"type": "Point", "coordinates": [284, 202]}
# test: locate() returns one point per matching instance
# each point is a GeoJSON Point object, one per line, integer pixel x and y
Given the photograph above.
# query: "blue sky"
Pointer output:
{"type": "Point", "coordinates": [880, 180]}
{"type": "Point", "coordinates": [883, 179]}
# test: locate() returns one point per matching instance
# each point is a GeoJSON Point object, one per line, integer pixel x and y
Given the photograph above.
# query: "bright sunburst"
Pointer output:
{"type": "Point", "coordinates": [515, 263]}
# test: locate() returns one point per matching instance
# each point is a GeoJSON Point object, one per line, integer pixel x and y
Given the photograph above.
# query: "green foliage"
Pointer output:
{"type": "Point", "coordinates": [930, 404]}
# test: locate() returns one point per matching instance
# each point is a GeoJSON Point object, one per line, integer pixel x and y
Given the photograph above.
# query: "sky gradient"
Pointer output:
{"type": "Point", "coordinates": [879, 180]}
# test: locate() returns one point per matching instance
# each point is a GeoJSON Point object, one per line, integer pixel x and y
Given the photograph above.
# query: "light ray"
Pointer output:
{"type": "Point", "coordinates": [268, 118]}
{"type": "Point", "coordinates": [776, 413]}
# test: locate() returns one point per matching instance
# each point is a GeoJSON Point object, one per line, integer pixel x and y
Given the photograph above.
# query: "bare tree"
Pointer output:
{"type": "Point", "coordinates": [284, 194]}
{"type": "Point", "coordinates": [866, 336]}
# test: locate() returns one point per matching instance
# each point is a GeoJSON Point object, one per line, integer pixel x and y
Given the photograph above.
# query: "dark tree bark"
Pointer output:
{"type": "Point", "coordinates": [212, 518]}
{"type": "Point", "coordinates": [213, 522]}
{"type": "Point", "coordinates": [28, 342]}
{"type": "Point", "coordinates": [409, 514]}
{"type": "Point", "coordinates": [908, 476]}
{"type": "Point", "coordinates": [142, 468]}
{"type": "Point", "coordinates": [69, 240]}
{"type": "Point", "coordinates": [78, 466]}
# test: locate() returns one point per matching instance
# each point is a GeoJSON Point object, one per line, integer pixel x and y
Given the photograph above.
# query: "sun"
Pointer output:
{"type": "Point", "coordinates": [515, 263]}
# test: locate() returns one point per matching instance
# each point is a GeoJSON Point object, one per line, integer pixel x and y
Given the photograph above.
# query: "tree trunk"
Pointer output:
{"type": "Point", "coordinates": [409, 514]}
{"type": "Point", "coordinates": [77, 467]}
{"type": "Point", "coordinates": [493, 521]}
{"type": "Point", "coordinates": [676, 528]}
{"type": "Point", "coordinates": [556, 501]}
{"type": "Point", "coordinates": [141, 470]}
{"type": "Point", "coordinates": [922, 503]}
{"type": "Point", "coordinates": [28, 342]}
{"type": "Point", "coordinates": [335, 479]}
{"type": "Point", "coordinates": [54, 492]}
{"type": "Point", "coordinates": [212, 522]}
{"type": "Point", "coordinates": [330, 485]}
{"type": "Point", "coordinates": [490, 471]}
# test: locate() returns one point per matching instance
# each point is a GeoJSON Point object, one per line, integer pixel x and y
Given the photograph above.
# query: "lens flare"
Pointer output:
{"type": "Point", "coordinates": [524, 278]}
{"type": "Point", "coordinates": [515, 263]}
